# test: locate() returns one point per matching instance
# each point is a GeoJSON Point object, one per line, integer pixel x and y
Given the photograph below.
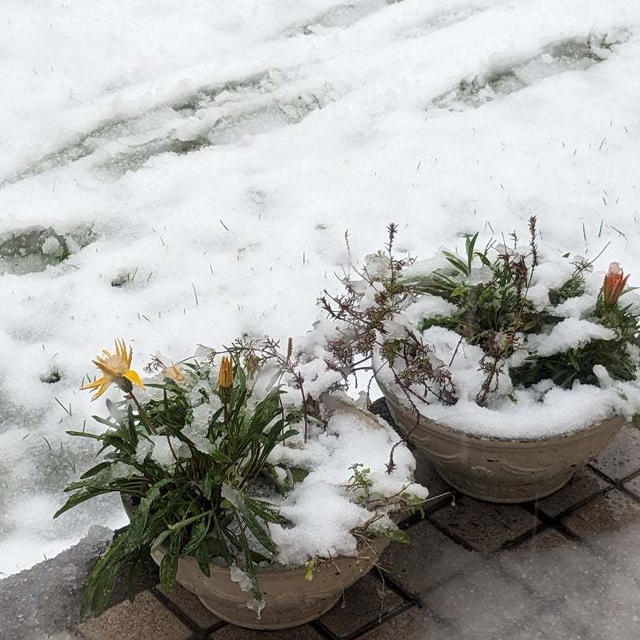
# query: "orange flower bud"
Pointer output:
{"type": "Point", "coordinates": [614, 283]}
{"type": "Point", "coordinates": [225, 376]}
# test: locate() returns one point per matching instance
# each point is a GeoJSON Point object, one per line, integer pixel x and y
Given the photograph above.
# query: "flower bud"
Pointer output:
{"type": "Point", "coordinates": [614, 284]}
{"type": "Point", "coordinates": [225, 375]}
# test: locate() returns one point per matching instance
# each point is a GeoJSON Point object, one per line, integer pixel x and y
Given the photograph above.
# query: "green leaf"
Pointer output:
{"type": "Point", "coordinates": [95, 470]}
{"type": "Point", "coordinates": [201, 555]}
{"type": "Point", "coordinates": [237, 499]}
{"type": "Point", "coordinates": [85, 434]}
{"type": "Point", "coordinates": [168, 570]}
{"type": "Point", "coordinates": [219, 456]}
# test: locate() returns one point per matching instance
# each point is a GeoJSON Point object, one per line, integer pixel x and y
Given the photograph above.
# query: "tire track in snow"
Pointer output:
{"type": "Point", "coordinates": [227, 112]}
{"type": "Point", "coordinates": [212, 117]}
{"type": "Point", "coordinates": [339, 17]}
{"type": "Point", "coordinates": [574, 54]}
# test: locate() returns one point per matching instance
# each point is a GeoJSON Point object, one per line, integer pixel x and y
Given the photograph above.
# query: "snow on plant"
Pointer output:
{"type": "Point", "coordinates": [483, 327]}
{"type": "Point", "coordinates": [230, 459]}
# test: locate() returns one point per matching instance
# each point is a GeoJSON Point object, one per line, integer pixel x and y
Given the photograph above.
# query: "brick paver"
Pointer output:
{"type": "Point", "coordinates": [620, 459]}
{"type": "Point", "coordinates": [485, 527]}
{"type": "Point", "coordinates": [364, 604]}
{"type": "Point", "coordinates": [584, 485]}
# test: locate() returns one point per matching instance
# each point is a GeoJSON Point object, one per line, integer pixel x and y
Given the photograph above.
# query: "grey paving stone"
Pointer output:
{"type": "Point", "coordinates": [554, 567]}
{"type": "Point", "coordinates": [482, 525]}
{"type": "Point", "coordinates": [622, 457]}
{"type": "Point", "coordinates": [414, 624]}
{"type": "Point", "coordinates": [482, 604]}
{"type": "Point", "coordinates": [610, 611]}
{"type": "Point", "coordinates": [633, 486]}
{"type": "Point", "coordinates": [431, 558]}
{"type": "Point", "coordinates": [189, 604]}
{"type": "Point", "coordinates": [611, 512]}
{"type": "Point", "coordinates": [236, 633]}
{"type": "Point", "coordinates": [144, 618]}
{"type": "Point", "coordinates": [611, 527]}
{"type": "Point", "coordinates": [620, 549]}
{"type": "Point", "coordinates": [547, 625]}
{"type": "Point", "coordinates": [545, 539]}
{"type": "Point", "coordinates": [364, 602]}
{"type": "Point", "coordinates": [584, 484]}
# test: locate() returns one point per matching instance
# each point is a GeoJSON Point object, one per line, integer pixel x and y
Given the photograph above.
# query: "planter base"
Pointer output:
{"type": "Point", "coordinates": [297, 614]}
{"type": "Point", "coordinates": [290, 599]}
{"type": "Point", "coordinates": [504, 494]}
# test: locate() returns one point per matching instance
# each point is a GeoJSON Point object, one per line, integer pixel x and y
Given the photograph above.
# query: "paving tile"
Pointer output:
{"type": "Point", "coordinates": [547, 625]}
{"type": "Point", "coordinates": [553, 567]}
{"type": "Point", "coordinates": [633, 486]}
{"type": "Point", "coordinates": [620, 551]}
{"type": "Point", "coordinates": [364, 602]}
{"type": "Point", "coordinates": [230, 632]}
{"type": "Point", "coordinates": [610, 611]}
{"type": "Point", "coordinates": [144, 619]}
{"type": "Point", "coordinates": [192, 607]}
{"type": "Point", "coordinates": [414, 624]}
{"type": "Point", "coordinates": [482, 604]}
{"type": "Point", "coordinates": [431, 558]}
{"type": "Point", "coordinates": [606, 514]}
{"type": "Point", "coordinates": [482, 525]}
{"type": "Point", "coordinates": [545, 539]}
{"type": "Point", "coordinates": [622, 457]}
{"type": "Point", "coordinates": [584, 484]}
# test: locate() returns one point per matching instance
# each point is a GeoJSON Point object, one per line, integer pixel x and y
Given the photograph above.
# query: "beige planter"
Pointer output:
{"type": "Point", "coordinates": [500, 470]}
{"type": "Point", "coordinates": [290, 600]}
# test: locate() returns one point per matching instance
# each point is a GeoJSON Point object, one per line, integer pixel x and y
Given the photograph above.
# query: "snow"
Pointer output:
{"type": "Point", "coordinates": [542, 411]}
{"type": "Point", "coordinates": [322, 511]}
{"type": "Point", "coordinates": [218, 153]}
{"type": "Point", "coordinates": [566, 335]}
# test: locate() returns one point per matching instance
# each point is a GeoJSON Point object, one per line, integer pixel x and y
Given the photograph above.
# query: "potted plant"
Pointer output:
{"type": "Point", "coordinates": [510, 366]}
{"type": "Point", "coordinates": [246, 481]}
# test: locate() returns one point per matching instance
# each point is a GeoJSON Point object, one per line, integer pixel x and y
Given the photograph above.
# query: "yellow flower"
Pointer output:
{"type": "Point", "coordinates": [174, 372]}
{"type": "Point", "coordinates": [117, 369]}
{"type": "Point", "coordinates": [225, 375]}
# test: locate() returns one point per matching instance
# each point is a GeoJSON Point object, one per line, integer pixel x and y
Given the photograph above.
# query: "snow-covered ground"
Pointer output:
{"type": "Point", "coordinates": [197, 165]}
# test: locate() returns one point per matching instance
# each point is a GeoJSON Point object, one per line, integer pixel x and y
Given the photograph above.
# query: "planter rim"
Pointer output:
{"type": "Point", "coordinates": [455, 433]}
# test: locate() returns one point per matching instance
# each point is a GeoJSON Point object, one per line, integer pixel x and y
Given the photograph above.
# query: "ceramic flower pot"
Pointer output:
{"type": "Point", "coordinates": [500, 470]}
